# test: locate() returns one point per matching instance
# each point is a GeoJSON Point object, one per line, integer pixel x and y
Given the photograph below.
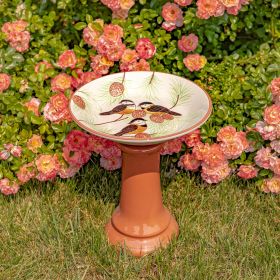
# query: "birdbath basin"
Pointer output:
{"type": "Point", "coordinates": [140, 111]}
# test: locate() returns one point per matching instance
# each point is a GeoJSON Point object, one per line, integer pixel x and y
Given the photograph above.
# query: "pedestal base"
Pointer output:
{"type": "Point", "coordinates": [142, 246]}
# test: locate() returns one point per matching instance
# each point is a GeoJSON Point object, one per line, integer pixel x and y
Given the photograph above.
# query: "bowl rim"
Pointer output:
{"type": "Point", "coordinates": [128, 140]}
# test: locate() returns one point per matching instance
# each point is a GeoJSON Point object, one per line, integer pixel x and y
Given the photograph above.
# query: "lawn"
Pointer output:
{"type": "Point", "coordinates": [56, 231]}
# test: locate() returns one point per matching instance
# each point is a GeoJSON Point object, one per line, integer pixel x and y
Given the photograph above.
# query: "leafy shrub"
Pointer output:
{"type": "Point", "coordinates": [37, 141]}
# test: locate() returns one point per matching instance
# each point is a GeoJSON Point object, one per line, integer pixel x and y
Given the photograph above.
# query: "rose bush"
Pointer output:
{"type": "Point", "coordinates": [50, 49]}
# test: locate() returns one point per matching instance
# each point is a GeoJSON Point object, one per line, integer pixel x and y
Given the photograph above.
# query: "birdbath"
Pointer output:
{"type": "Point", "coordinates": [140, 111]}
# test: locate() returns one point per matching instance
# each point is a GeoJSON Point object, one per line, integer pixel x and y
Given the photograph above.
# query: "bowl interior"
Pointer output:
{"type": "Point", "coordinates": [140, 108]}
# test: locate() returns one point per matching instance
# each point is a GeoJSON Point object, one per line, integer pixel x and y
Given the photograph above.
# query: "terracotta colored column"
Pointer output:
{"type": "Point", "coordinates": [140, 222]}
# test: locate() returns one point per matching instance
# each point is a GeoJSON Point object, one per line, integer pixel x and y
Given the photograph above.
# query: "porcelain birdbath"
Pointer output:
{"type": "Point", "coordinates": [140, 111]}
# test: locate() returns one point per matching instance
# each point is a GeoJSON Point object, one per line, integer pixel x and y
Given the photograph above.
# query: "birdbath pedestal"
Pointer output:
{"type": "Point", "coordinates": [141, 222]}
{"type": "Point", "coordinates": [140, 111]}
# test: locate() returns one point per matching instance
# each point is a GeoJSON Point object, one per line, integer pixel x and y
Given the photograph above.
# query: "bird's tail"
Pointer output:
{"type": "Point", "coordinates": [119, 133]}
{"type": "Point", "coordinates": [105, 113]}
{"type": "Point", "coordinates": [174, 113]}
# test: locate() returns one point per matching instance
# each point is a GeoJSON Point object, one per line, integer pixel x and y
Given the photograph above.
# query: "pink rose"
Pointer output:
{"type": "Point", "coordinates": [76, 140]}
{"type": "Point", "coordinates": [183, 3]}
{"type": "Point", "coordinates": [113, 32]}
{"type": "Point", "coordinates": [19, 40]}
{"type": "Point", "coordinates": [188, 43]}
{"type": "Point", "coordinates": [67, 59]}
{"type": "Point", "coordinates": [111, 164]}
{"type": "Point", "coordinates": [189, 162]}
{"type": "Point", "coordinates": [47, 166]}
{"type": "Point", "coordinates": [275, 165]}
{"type": "Point", "coordinates": [271, 185]}
{"type": "Point", "coordinates": [172, 13]}
{"type": "Point", "coordinates": [192, 139]}
{"type": "Point", "coordinates": [8, 188]}
{"type": "Point", "coordinates": [275, 86]}
{"type": "Point", "coordinates": [171, 147]}
{"type": "Point", "coordinates": [214, 175]}
{"type": "Point", "coordinates": [263, 158]}
{"type": "Point", "coordinates": [195, 62]}
{"type": "Point", "coordinates": [5, 81]}
{"type": "Point", "coordinates": [61, 82]}
{"type": "Point", "coordinates": [247, 172]}
{"type": "Point", "coordinates": [57, 110]}
{"type": "Point", "coordinates": [26, 172]}
{"type": "Point", "coordinates": [33, 105]}
{"type": "Point", "coordinates": [91, 36]}
{"type": "Point", "coordinates": [34, 143]}
{"type": "Point", "coordinates": [272, 114]}
{"type": "Point", "coordinates": [209, 8]}
{"type": "Point", "coordinates": [77, 158]}
{"type": "Point", "coordinates": [145, 48]}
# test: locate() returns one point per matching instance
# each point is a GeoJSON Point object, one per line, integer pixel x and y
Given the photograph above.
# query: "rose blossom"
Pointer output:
{"type": "Point", "coordinates": [34, 143]}
{"type": "Point", "coordinates": [213, 175]}
{"type": "Point", "coordinates": [145, 48]}
{"type": "Point", "coordinates": [67, 171]}
{"type": "Point", "coordinates": [91, 35]}
{"type": "Point", "coordinates": [8, 188]}
{"type": "Point", "coordinates": [33, 105]}
{"type": "Point", "coordinates": [61, 82]}
{"type": "Point", "coordinates": [226, 133]}
{"type": "Point", "coordinates": [4, 155]}
{"type": "Point", "coordinates": [247, 172]}
{"type": "Point", "coordinates": [100, 64]}
{"type": "Point", "coordinates": [113, 32]}
{"type": "Point", "coordinates": [129, 56]}
{"type": "Point", "coordinates": [213, 155]}
{"type": "Point", "coordinates": [172, 14]}
{"type": "Point", "coordinates": [112, 4]}
{"type": "Point", "coordinates": [232, 149]}
{"type": "Point", "coordinates": [230, 3]}
{"type": "Point", "coordinates": [47, 166]}
{"type": "Point", "coordinates": [268, 132]}
{"type": "Point", "coordinates": [16, 151]}
{"type": "Point", "coordinates": [275, 86]}
{"type": "Point", "coordinates": [171, 147]}
{"type": "Point", "coordinates": [76, 140]}
{"type": "Point", "coordinates": [188, 43]}
{"type": "Point", "coordinates": [19, 40]}
{"type": "Point", "coordinates": [192, 139]}
{"type": "Point", "coordinates": [275, 145]}
{"type": "Point", "coordinates": [111, 164]}
{"type": "Point", "coordinates": [264, 157]}
{"type": "Point", "coordinates": [275, 165]}
{"type": "Point", "coordinates": [16, 26]}
{"type": "Point", "coordinates": [26, 172]}
{"type": "Point", "coordinates": [183, 3]}
{"type": "Point", "coordinates": [5, 81]}
{"type": "Point", "coordinates": [189, 162]}
{"type": "Point", "coordinates": [168, 26]}
{"type": "Point", "coordinates": [126, 4]}
{"type": "Point", "coordinates": [272, 114]}
{"type": "Point", "coordinates": [67, 59]}
{"type": "Point", "coordinates": [77, 158]}
{"type": "Point", "coordinates": [208, 8]}
{"type": "Point", "coordinates": [195, 62]}
{"type": "Point", "coordinates": [56, 110]}
{"type": "Point", "coordinates": [271, 185]}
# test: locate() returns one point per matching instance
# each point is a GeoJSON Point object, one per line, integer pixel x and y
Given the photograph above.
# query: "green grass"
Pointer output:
{"type": "Point", "coordinates": [56, 231]}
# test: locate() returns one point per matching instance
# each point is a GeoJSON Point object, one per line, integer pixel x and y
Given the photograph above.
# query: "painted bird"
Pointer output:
{"type": "Point", "coordinates": [153, 109]}
{"type": "Point", "coordinates": [125, 107]}
{"type": "Point", "coordinates": [135, 126]}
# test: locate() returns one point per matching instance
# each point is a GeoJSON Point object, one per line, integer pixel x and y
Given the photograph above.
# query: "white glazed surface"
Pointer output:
{"type": "Point", "coordinates": [174, 93]}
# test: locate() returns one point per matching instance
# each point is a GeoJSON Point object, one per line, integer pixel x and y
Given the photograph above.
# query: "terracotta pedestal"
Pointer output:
{"type": "Point", "coordinates": [141, 223]}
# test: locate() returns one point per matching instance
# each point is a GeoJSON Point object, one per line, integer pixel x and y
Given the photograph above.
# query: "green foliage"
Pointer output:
{"type": "Point", "coordinates": [238, 89]}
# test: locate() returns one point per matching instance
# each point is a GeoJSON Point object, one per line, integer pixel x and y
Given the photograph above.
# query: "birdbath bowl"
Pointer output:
{"type": "Point", "coordinates": [140, 111]}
